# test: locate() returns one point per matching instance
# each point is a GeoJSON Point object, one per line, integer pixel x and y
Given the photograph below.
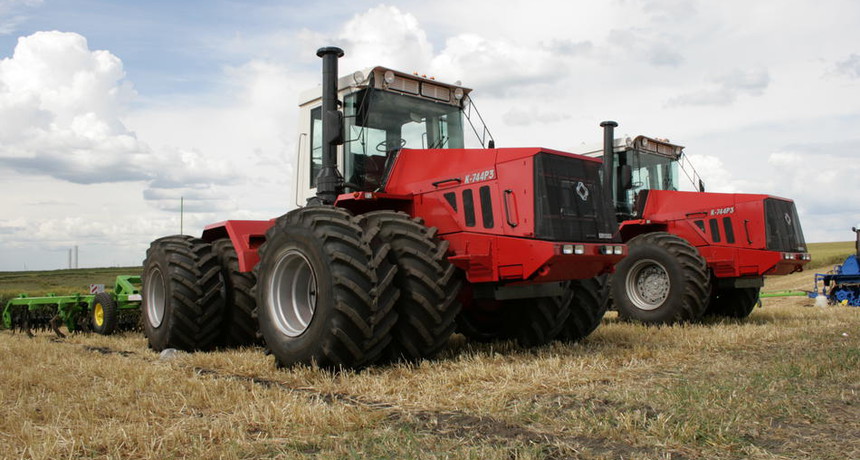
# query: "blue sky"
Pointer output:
{"type": "Point", "coordinates": [110, 111]}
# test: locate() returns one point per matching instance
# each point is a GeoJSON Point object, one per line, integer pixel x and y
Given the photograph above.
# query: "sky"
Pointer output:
{"type": "Point", "coordinates": [110, 111]}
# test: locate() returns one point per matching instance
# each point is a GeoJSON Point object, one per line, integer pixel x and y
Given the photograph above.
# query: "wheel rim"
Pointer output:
{"type": "Point", "coordinates": [99, 315]}
{"type": "Point", "coordinates": [155, 297]}
{"type": "Point", "coordinates": [648, 284]}
{"type": "Point", "coordinates": [292, 293]}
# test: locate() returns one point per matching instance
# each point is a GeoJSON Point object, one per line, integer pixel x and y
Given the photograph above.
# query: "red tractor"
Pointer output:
{"type": "Point", "coordinates": [692, 253]}
{"type": "Point", "coordinates": [404, 235]}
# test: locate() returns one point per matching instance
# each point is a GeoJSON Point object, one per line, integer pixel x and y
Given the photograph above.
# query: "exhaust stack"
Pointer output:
{"type": "Point", "coordinates": [608, 158]}
{"type": "Point", "coordinates": [329, 180]}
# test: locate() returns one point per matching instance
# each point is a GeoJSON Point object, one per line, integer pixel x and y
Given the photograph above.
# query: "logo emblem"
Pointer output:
{"type": "Point", "coordinates": [787, 219]}
{"type": "Point", "coordinates": [582, 191]}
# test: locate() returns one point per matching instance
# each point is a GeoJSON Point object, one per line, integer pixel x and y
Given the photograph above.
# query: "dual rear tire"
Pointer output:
{"type": "Point", "coordinates": [534, 322]}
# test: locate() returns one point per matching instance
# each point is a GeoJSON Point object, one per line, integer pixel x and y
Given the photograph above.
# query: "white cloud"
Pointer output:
{"type": "Point", "coordinates": [60, 103]}
{"type": "Point", "coordinates": [725, 89]}
{"type": "Point", "coordinates": [64, 104]}
{"type": "Point", "coordinates": [10, 17]}
{"type": "Point", "coordinates": [385, 36]}
{"type": "Point", "coordinates": [850, 66]}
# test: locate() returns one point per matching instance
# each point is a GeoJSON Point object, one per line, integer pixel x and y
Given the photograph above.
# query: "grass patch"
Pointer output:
{"type": "Point", "coordinates": [829, 254]}
{"type": "Point", "coordinates": [60, 282]}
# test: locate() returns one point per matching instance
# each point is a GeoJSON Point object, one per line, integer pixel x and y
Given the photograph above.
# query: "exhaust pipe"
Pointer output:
{"type": "Point", "coordinates": [609, 176]}
{"type": "Point", "coordinates": [329, 180]}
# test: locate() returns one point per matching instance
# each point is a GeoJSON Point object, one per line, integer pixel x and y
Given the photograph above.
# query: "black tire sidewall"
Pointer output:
{"type": "Point", "coordinates": [109, 312]}
{"type": "Point", "coordinates": [304, 347]}
{"type": "Point", "coordinates": [159, 337]}
{"type": "Point", "coordinates": [672, 307]}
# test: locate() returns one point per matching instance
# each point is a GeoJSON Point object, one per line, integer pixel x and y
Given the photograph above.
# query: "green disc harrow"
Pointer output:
{"type": "Point", "coordinates": [103, 312]}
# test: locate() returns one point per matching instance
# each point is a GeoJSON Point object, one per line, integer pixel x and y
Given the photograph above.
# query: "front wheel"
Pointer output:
{"type": "Point", "coordinates": [663, 280]}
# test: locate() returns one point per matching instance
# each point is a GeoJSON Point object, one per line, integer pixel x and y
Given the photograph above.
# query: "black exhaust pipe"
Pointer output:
{"type": "Point", "coordinates": [329, 180]}
{"type": "Point", "coordinates": [609, 176]}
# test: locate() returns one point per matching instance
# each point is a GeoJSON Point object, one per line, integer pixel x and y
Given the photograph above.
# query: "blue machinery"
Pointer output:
{"type": "Point", "coordinates": [843, 285]}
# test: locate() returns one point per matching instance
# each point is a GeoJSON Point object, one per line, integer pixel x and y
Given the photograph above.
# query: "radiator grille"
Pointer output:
{"type": "Point", "coordinates": [782, 226]}
{"type": "Point", "coordinates": [569, 204]}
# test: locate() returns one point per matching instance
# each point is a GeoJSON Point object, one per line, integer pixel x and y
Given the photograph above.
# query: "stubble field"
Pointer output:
{"type": "Point", "coordinates": [783, 384]}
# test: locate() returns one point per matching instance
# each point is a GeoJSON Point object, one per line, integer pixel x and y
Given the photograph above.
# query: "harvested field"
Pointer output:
{"type": "Point", "coordinates": [783, 384]}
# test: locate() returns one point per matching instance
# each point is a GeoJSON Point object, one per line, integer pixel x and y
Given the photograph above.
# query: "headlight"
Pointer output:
{"type": "Point", "coordinates": [388, 76]}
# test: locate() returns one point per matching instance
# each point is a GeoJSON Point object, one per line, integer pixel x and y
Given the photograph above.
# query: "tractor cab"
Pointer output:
{"type": "Point", "coordinates": [645, 163]}
{"type": "Point", "coordinates": [384, 111]}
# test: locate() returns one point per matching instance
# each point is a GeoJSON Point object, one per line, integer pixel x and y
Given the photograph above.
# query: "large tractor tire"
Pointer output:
{"type": "Point", "coordinates": [538, 321]}
{"type": "Point", "coordinates": [733, 302]}
{"type": "Point", "coordinates": [482, 320]}
{"type": "Point", "coordinates": [663, 280]}
{"type": "Point", "coordinates": [428, 283]}
{"type": "Point", "coordinates": [240, 324]}
{"type": "Point", "coordinates": [384, 264]}
{"type": "Point", "coordinates": [587, 309]}
{"type": "Point", "coordinates": [316, 290]}
{"type": "Point", "coordinates": [530, 322]}
{"type": "Point", "coordinates": [104, 314]}
{"type": "Point", "coordinates": [182, 301]}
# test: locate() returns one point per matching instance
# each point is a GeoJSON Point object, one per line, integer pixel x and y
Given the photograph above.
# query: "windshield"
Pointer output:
{"type": "Point", "coordinates": [650, 172]}
{"type": "Point", "coordinates": [378, 124]}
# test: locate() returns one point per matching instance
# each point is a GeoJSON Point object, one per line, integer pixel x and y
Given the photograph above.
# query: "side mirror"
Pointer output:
{"type": "Point", "coordinates": [626, 179]}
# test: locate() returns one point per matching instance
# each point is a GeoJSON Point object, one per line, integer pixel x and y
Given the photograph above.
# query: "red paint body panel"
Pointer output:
{"type": "Point", "coordinates": [504, 251]}
{"type": "Point", "coordinates": [488, 258]}
{"type": "Point", "coordinates": [246, 235]}
{"type": "Point", "coordinates": [677, 213]}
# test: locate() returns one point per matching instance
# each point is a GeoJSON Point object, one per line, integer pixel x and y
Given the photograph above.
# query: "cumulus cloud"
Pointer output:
{"type": "Point", "coordinates": [61, 105]}
{"type": "Point", "coordinates": [385, 35]}
{"type": "Point", "coordinates": [496, 65]}
{"type": "Point", "coordinates": [726, 89]}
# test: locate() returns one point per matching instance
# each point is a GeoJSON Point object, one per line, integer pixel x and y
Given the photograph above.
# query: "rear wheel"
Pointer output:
{"type": "Point", "coordinates": [537, 321]}
{"type": "Point", "coordinates": [482, 320]}
{"type": "Point", "coordinates": [315, 291]}
{"type": "Point", "coordinates": [663, 280]}
{"type": "Point", "coordinates": [428, 283]}
{"type": "Point", "coordinates": [733, 302]}
{"type": "Point", "coordinates": [104, 314]}
{"type": "Point", "coordinates": [182, 304]}
{"type": "Point", "coordinates": [587, 309]}
{"type": "Point", "coordinates": [240, 325]}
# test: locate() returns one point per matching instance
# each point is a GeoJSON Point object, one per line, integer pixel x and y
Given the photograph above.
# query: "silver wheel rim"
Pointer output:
{"type": "Point", "coordinates": [155, 297]}
{"type": "Point", "coordinates": [292, 293]}
{"type": "Point", "coordinates": [648, 284]}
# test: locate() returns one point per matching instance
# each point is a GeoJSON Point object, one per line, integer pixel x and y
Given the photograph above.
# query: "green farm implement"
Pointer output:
{"type": "Point", "coordinates": [100, 312]}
